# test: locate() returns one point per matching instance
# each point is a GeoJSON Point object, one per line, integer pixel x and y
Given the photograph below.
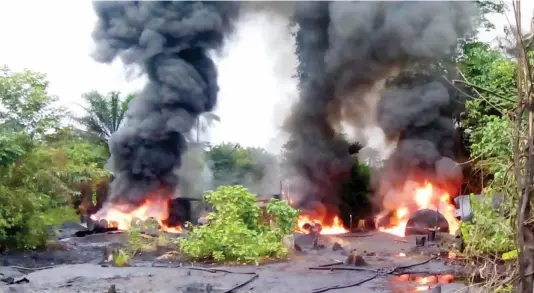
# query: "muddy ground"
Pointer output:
{"type": "Point", "coordinates": [77, 268]}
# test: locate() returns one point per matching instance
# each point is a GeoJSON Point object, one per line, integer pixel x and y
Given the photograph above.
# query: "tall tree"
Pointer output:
{"type": "Point", "coordinates": [205, 121]}
{"type": "Point", "coordinates": [104, 113]}
{"type": "Point", "coordinates": [233, 164]}
{"type": "Point", "coordinates": [25, 104]}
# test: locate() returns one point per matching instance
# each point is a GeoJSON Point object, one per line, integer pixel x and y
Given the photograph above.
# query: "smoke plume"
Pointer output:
{"type": "Point", "coordinates": [170, 42]}
{"type": "Point", "coordinates": [349, 51]}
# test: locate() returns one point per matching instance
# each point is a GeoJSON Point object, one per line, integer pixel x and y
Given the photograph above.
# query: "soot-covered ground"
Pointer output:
{"type": "Point", "coordinates": [77, 268]}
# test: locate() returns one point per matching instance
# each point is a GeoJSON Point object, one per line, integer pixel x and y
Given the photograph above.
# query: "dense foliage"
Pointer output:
{"type": "Point", "coordinates": [239, 230]}
{"type": "Point", "coordinates": [41, 161]}
{"type": "Point", "coordinates": [354, 192]}
{"type": "Point", "coordinates": [488, 79]}
{"type": "Point", "coordinates": [233, 164]}
{"type": "Point", "coordinates": [46, 162]}
{"type": "Point", "coordinates": [104, 114]}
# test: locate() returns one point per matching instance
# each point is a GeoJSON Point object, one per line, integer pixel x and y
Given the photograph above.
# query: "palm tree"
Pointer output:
{"type": "Point", "coordinates": [205, 121]}
{"type": "Point", "coordinates": [104, 113]}
{"type": "Point", "coordinates": [370, 156]}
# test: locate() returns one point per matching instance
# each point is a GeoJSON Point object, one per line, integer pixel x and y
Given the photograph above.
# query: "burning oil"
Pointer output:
{"type": "Point", "coordinates": [364, 64]}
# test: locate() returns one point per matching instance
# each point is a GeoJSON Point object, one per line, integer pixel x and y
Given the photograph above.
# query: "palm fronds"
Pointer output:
{"type": "Point", "coordinates": [104, 114]}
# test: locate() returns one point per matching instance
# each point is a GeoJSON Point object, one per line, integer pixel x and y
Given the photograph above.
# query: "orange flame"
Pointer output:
{"type": "Point", "coordinates": [425, 197]}
{"type": "Point", "coordinates": [423, 283]}
{"type": "Point", "coordinates": [152, 208]}
{"type": "Point", "coordinates": [335, 228]}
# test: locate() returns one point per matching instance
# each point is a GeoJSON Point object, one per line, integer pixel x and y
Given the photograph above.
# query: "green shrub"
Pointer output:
{"type": "Point", "coordinates": [16, 211]}
{"type": "Point", "coordinates": [23, 221]}
{"type": "Point", "coordinates": [491, 231]}
{"type": "Point", "coordinates": [236, 230]}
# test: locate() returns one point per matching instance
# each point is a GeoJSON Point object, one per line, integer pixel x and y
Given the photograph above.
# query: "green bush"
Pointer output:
{"type": "Point", "coordinates": [490, 232]}
{"type": "Point", "coordinates": [16, 211]}
{"type": "Point", "coordinates": [23, 222]}
{"type": "Point", "coordinates": [237, 231]}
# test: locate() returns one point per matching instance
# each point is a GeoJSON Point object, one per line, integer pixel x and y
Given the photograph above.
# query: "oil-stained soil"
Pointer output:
{"type": "Point", "coordinates": [77, 268]}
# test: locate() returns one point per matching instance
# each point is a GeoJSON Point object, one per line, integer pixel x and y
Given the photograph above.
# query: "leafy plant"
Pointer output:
{"type": "Point", "coordinates": [236, 231]}
{"type": "Point", "coordinates": [10, 151]}
{"type": "Point", "coordinates": [104, 113]}
{"type": "Point", "coordinates": [284, 216]}
{"type": "Point", "coordinates": [489, 76]}
{"type": "Point", "coordinates": [26, 104]}
{"type": "Point", "coordinates": [121, 258]}
{"type": "Point", "coordinates": [491, 232]}
{"type": "Point", "coordinates": [41, 161]}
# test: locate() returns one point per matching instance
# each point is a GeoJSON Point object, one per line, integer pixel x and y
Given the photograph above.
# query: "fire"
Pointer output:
{"type": "Point", "coordinates": [426, 196]}
{"type": "Point", "coordinates": [335, 228]}
{"type": "Point", "coordinates": [423, 283]}
{"type": "Point", "coordinates": [329, 226]}
{"type": "Point", "coordinates": [152, 208]}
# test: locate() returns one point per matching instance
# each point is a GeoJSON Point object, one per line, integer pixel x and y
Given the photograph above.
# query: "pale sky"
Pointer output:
{"type": "Point", "coordinates": [54, 37]}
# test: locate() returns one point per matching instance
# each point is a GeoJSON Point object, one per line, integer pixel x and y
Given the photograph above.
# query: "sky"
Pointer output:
{"type": "Point", "coordinates": [256, 88]}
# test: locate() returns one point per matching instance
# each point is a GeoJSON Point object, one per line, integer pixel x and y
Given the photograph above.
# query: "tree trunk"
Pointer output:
{"type": "Point", "coordinates": [523, 170]}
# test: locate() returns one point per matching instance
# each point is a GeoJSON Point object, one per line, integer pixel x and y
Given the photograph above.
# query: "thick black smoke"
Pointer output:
{"type": "Point", "coordinates": [170, 42]}
{"type": "Point", "coordinates": [421, 117]}
{"type": "Point", "coordinates": [348, 51]}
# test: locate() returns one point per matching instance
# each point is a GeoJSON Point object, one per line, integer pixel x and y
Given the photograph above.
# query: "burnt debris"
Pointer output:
{"type": "Point", "coordinates": [95, 227]}
{"type": "Point", "coordinates": [424, 221]}
{"type": "Point", "coordinates": [180, 212]}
